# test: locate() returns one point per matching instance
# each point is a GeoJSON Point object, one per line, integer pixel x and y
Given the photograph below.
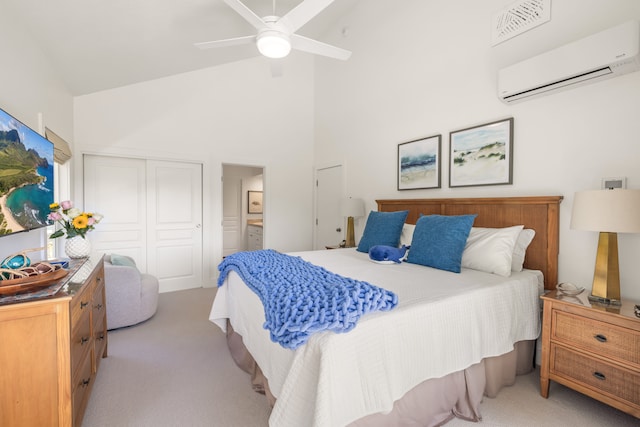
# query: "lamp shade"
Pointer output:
{"type": "Point", "coordinates": [352, 207]}
{"type": "Point", "coordinates": [615, 211]}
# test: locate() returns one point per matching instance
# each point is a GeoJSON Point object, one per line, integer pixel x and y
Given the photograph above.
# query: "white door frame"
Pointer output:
{"type": "Point", "coordinates": [220, 210]}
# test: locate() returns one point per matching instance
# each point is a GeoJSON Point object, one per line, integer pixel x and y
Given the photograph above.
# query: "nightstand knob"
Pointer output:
{"type": "Point", "coordinates": [600, 338]}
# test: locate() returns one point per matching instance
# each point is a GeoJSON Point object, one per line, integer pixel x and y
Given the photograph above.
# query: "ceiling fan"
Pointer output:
{"type": "Point", "coordinates": [276, 35]}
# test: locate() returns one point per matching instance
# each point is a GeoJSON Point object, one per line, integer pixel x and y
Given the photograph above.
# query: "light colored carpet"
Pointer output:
{"type": "Point", "coordinates": [175, 370]}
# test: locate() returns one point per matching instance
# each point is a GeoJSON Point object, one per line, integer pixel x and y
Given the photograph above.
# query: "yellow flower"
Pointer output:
{"type": "Point", "coordinates": [81, 221]}
{"type": "Point", "coordinates": [54, 206]}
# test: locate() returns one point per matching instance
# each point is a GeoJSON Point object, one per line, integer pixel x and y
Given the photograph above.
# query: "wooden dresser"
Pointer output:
{"type": "Point", "coordinates": [592, 349]}
{"type": "Point", "coordinates": [50, 350]}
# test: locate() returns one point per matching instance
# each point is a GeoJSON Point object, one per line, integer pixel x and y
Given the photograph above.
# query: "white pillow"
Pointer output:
{"type": "Point", "coordinates": [407, 234]}
{"type": "Point", "coordinates": [522, 243]}
{"type": "Point", "coordinates": [491, 249]}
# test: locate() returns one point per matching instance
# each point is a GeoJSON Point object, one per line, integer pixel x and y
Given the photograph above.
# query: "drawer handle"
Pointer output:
{"type": "Point", "coordinates": [101, 337]}
{"type": "Point", "coordinates": [83, 304]}
{"type": "Point", "coordinates": [85, 383]}
{"type": "Point", "coordinates": [99, 306]}
{"type": "Point", "coordinates": [84, 340]}
{"type": "Point", "coordinates": [600, 338]}
{"type": "Point", "coordinates": [599, 376]}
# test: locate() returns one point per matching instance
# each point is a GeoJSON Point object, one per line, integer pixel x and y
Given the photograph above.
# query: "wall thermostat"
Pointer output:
{"type": "Point", "coordinates": [613, 183]}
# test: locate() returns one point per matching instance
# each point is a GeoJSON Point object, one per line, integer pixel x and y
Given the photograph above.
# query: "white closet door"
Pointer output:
{"type": "Point", "coordinates": [116, 188]}
{"type": "Point", "coordinates": [152, 212]}
{"type": "Point", "coordinates": [174, 231]}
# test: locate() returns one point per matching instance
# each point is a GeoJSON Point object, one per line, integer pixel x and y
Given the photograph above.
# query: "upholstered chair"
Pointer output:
{"type": "Point", "coordinates": [132, 297]}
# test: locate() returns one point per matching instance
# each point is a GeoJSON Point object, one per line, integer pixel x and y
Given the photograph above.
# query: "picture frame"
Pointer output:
{"type": "Point", "coordinates": [254, 202]}
{"type": "Point", "coordinates": [419, 163]}
{"type": "Point", "coordinates": [482, 155]}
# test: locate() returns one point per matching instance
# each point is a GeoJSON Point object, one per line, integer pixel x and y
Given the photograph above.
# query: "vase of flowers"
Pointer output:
{"type": "Point", "coordinates": [75, 224]}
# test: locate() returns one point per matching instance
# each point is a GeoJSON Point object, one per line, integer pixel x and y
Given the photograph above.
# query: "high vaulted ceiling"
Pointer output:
{"type": "Point", "coordinates": [97, 44]}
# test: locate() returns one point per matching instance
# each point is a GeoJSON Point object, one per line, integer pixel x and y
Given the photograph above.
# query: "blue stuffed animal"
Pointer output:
{"type": "Point", "coordinates": [387, 254]}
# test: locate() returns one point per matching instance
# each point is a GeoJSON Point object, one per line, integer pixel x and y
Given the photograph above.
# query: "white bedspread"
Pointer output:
{"type": "Point", "coordinates": [444, 322]}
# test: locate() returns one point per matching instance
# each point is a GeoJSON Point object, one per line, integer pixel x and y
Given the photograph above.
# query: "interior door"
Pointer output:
{"type": "Point", "coordinates": [174, 224]}
{"type": "Point", "coordinates": [116, 187]}
{"type": "Point", "coordinates": [330, 226]}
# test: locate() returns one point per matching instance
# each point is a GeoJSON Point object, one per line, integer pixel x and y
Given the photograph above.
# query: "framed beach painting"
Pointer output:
{"type": "Point", "coordinates": [254, 202]}
{"type": "Point", "coordinates": [482, 155]}
{"type": "Point", "coordinates": [419, 163]}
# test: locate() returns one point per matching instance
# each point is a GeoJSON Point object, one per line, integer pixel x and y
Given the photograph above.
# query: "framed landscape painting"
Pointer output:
{"type": "Point", "coordinates": [254, 202]}
{"type": "Point", "coordinates": [419, 163]}
{"type": "Point", "coordinates": [482, 155]}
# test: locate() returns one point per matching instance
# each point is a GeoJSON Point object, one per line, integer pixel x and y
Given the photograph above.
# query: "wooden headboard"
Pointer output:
{"type": "Point", "coordinates": [538, 213]}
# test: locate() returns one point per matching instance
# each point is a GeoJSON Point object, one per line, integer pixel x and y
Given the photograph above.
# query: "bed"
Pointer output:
{"type": "Point", "coordinates": [431, 358]}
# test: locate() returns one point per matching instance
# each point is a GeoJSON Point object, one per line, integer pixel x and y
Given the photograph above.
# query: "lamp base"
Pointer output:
{"type": "Point", "coordinates": [606, 277]}
{"type": "Point", "coordinates": [604, 301]}
{"type": "Point", "coordinates": [350, 240]}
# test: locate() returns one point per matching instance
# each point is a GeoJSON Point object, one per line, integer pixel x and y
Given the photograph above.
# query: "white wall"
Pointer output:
{"type": "Point", "coordinates": [421, 68]}
{"type": "Point", "coordinates": [29, 87]}
{"type": "Point", "coordinates": [233, 114]}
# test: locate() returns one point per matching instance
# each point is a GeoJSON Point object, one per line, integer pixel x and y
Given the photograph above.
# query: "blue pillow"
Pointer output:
{"type": "Point", "coordinates": [439, 240]}
{"type": "Point", "coordinates": [383, 228]}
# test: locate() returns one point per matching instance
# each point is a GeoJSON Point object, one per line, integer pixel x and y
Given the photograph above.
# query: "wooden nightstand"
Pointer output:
{"type": "Point", "coordinates": [592, 349]}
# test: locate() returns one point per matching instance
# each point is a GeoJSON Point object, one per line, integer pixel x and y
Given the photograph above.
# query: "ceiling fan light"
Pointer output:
{"type": "Point", "coordinates": [273, 44]}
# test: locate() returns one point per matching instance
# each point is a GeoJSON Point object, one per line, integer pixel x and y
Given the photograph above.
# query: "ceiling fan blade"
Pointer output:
{"type": "Point", "coordinates": [277, 67]}
{"type": "Point", "coordinates": [313, 46]}
{"type": "Point", "coordinates": [303, 13]}
{"type": "Point", "coordinates": [246, 13]}
{"type": "Point", "coordinates": [226, 42]}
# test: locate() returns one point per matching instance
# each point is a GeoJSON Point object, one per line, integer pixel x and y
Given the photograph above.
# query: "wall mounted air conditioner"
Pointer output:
{"type": "Point", "coordinates": [607, 54]}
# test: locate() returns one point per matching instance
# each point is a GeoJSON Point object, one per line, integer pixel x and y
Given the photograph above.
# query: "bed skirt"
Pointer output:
{"type": "Point", "coordinates": [455, 395]}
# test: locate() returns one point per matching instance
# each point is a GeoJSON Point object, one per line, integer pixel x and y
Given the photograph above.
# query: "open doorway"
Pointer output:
{"type": "Point", "coordinates": [242, 208]}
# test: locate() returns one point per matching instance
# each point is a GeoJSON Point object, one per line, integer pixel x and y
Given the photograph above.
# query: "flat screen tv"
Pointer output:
{"type": "Point", "coordinates": [26, 177]}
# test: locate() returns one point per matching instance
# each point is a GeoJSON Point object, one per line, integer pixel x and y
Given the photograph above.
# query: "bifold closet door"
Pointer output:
{"type": "Point", "coordinates": [116, 187]}
{"type": "Point", "coordinates": [153, 213]}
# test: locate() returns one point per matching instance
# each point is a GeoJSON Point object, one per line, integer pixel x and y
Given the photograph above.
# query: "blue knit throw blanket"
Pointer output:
{"type": "Point", "coordinates": [301, 298]}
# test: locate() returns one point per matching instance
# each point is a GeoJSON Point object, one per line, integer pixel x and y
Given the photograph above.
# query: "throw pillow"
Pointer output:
{"type": "Point", "coordinates": [522, 243]}
{"type": "Point", "coordinates": [123, 260]}
{"type": "Point", "coordinates": [438, 241]}
{"type": "Point", "coordinates": [382, 228]}
{"type": "Point", "coordinates": [491, 249]}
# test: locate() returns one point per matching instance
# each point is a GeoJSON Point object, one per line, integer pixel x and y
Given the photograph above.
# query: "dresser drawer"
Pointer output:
{"type": "Point", "coordinates": [81, 388]}
{"type": "Point", "coordinates": [80, 341]}
{"type": "Point", "coordinates": [100, 340]}
{"type": "Point", "coordinates": [81, 304]}
{"type": "Point", "coordinates": [596, 374]}
{"type": "Point", "coordinates": [599, 337]}
{"type": "Point", "coordinates": [98, 308]}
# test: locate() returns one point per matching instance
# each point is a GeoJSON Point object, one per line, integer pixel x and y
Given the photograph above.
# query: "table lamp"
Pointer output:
{"type": "Point", "coordinates": [351, 208]}
{"type": "Point", "coordinates": [609, 212]}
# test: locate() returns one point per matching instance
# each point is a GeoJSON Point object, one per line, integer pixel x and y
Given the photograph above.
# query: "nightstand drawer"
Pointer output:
{"type": "Point", "coordinates": [599, 337]}
{"type": "Point", "coordinates": [598, 375]}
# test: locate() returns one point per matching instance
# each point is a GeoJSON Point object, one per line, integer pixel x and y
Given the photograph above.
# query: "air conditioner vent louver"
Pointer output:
{"type": "Point", "coordinates": [603, 55]}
